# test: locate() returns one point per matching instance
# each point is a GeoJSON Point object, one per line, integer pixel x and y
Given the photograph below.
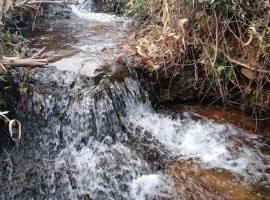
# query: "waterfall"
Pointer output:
{"type": "Point", "coordinates": [85, 11]}
{"type": "Point", "coordinates": [90, 132]}
{"type": "Point", "coordinates": [86, 5]}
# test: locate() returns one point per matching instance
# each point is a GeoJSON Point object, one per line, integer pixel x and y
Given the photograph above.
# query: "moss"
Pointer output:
{"type": "Point", "coordinates": [120, 74]}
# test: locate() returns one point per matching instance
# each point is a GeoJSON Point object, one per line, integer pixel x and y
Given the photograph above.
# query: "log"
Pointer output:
{"type": "Point", "coordinates": [23, 62]}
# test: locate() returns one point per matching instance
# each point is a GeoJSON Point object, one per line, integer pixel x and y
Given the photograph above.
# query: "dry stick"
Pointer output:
{"type": "Point", "coordinates": [242, 64]}
{"type": "Point", "coordinates": [216, 53]}
{"type": "Point", "coordinates": [23, 62]}
{"type": "Point", "coordinates": [33, 4]}
{"type": "Point", "coordinates": [217, 38]}
{"type": "Point", "coordinates": [212, 65]}
{"type": "Point", "coordinates": [34, 22]}
{"type": "Point", "coordinates": [236, 81]}
{"type": "Point", "coordinates": [3, 67]}
{"type": "Point", "coordinates": [213, 62]}
{"type": "Point", "coordinates": [25, 6]}
{"type": "Point", "coordinates": [45, 2]}
{"type": "Point", "coordinates": [37, 54]}
{"type": "Point", "coordinates": [245, 65]}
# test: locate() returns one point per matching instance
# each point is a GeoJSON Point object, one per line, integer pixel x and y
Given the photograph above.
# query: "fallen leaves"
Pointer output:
{"type": "Point", "coordinates": [160, 48]}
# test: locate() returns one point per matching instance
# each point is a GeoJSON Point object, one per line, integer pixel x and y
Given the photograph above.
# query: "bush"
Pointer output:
{"type": "Point", "coordinates": [228, 39]}
{"type": "Point", "coordinates": [114, 6]}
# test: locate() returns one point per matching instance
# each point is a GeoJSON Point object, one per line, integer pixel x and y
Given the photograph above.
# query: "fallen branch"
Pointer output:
{"type": "Point", "coordinates": [32, 3]}
{"type": "Point", "coordinates": [23, 62]}
{"type": "Point", "coordinates": [53, 2]}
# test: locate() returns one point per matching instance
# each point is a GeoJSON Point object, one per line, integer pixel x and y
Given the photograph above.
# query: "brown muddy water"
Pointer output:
{"type": "Point", "coordinates": [91, 133]}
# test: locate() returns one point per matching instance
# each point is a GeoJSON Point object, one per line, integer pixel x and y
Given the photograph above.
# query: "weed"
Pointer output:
{"type": "Point", "coordinates": [15, 43]}
{"type": "Point", "coordinates": [229, 39]}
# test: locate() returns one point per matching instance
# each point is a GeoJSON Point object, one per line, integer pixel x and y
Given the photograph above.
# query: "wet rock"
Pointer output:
{"type": "Point", "coordinates": [181, 85]}
{"type": "Point", "coordinates": [194, 182]}
{"type": "Point", "coordinates": [55, 11]}
{"type": "Point", "coordinates": [24, 20]}
{"type": "Point", "coordinates": [152, 154]}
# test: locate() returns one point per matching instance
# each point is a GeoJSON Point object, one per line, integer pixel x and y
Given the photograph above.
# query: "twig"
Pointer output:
{"type": "Point", "coordinates": [37, 54]}
{"type": "Point", "coordinates": [3, 67]}
{"type": "Point", "coordinates": [245, 65]}
{"type": "Point", "coordinates": [37, 11]}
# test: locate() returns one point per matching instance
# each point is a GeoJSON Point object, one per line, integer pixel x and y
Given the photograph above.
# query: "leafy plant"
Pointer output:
{"type": "Point", "coordinates": [16, 44]}
{"type": "Point", "coordinates": [138, 6]}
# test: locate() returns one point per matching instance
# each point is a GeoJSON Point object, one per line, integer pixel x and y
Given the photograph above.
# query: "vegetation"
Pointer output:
{"type": "Point", "coordinates": [227, 40]}
{"type": "Point", "coordinates": [114, 6]}
{"type": "Point", "coordinates": [14, 50]}
{"type": "Point", "coordinates": [11, 44]}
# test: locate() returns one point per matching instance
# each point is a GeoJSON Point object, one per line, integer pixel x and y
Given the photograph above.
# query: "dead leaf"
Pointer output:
{"type": "Point", "coordinates": [181, 22]}
{"type": "Point", "coordinates": [251, 75]}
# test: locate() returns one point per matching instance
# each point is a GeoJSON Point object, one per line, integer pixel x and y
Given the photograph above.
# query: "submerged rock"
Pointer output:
{"type": "Point", "coordinates": [193, 182]}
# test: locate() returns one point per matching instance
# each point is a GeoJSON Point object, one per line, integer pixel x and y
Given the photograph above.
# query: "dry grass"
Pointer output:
{"type": "Point", "coordinates": [229, 40]}
{"type": "Point", "coordinates": [5, 5]}
{"type": "Point", "coordinates": [162, 40]}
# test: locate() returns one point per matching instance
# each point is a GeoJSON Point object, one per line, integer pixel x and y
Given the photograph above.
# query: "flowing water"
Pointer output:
{"type": "Point", "coordinates": [91, 133]}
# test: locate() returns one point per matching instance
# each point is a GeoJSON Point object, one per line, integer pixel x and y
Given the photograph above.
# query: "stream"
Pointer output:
{"type": "Point", "coordinates": [90, 132]}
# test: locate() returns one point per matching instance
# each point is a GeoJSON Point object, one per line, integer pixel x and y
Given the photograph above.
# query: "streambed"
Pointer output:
{"type": "Point", "coordinates": [90, 131]}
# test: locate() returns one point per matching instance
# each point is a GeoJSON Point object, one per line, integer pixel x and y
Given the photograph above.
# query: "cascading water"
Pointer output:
{"type": "Point", "coordinates": [84, 6]}
{"type": "Point", "coordinates": [90, 132]}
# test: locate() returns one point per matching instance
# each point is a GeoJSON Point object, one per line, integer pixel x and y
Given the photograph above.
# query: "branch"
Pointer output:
{"type": "Point", "coordinates": [37, 54]}
{"type": "Point", "coordinates": [31, 3]}
{"type": "Point", "coordinates": [23, 62]}
{"type": "Point", "coordinates": [245, 65]}
{"type": "Point", "coordinates": [240, 63]}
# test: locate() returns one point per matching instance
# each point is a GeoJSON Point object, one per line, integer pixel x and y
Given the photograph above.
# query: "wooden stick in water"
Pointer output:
{"type": "Point", "coordinates": [23, 62]}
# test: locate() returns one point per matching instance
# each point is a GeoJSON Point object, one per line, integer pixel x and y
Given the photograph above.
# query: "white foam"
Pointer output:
{"type": "Point", "coordinates": [148, 187]}
{"type": "Point", "coordinates": [101, 17]}
{"type": "Point", "coordinates": [213, 144]}
{"type": "Point", "coordinates": [99, 169]}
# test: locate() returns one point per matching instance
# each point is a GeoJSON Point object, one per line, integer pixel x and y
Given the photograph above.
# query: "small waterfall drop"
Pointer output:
{"type": "Point", "coordinates": [90, 133]}
{"type": "Point", "coordinates": [86, 5]}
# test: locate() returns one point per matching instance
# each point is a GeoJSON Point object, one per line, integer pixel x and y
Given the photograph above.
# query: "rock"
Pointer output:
{"type": "Point", "coordinates": [181, 85]}
{"type": "Point", "coordinates": [194, 182]}
{"type": "Point", "coordinates": [55, 11]}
